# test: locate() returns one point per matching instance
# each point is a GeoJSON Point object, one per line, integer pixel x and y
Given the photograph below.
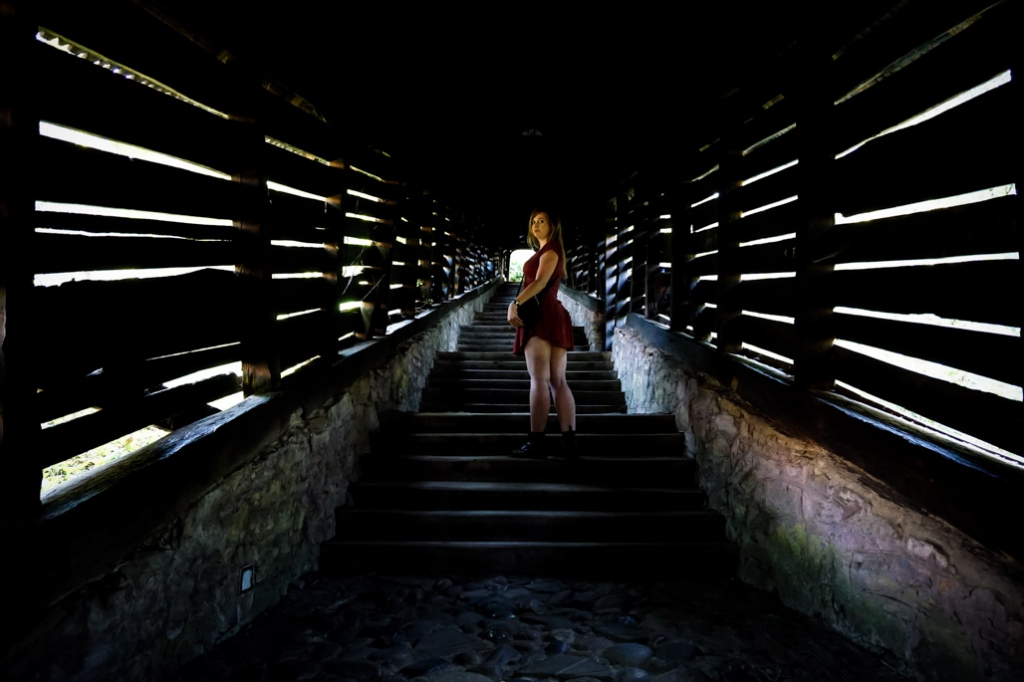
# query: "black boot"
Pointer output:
{"type": "Point", "coordinates": [533, 448]}
{"type": "Point", "coordinates": [569, 446]}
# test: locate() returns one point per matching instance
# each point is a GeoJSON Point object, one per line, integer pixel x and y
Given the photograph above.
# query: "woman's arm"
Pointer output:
{"type": "Point", "coordinates": [545, 269]}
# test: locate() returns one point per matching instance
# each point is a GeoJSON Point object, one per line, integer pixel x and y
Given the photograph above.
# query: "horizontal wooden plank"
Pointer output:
{"type": "Point", "coordinates": [298, 172]}
{"type": "Point", "coordinates": [85, 176]}
{"type": "Point", "coordinates": [976, 229]}
{"type": "Point", "coordinates": [964, 291]}
{"type": "Point", "coordinates": [127, 34]}
{"type": "Point", "coordinates": [769, 190]}
{"type": "Point", "coordinates": [698, 242]}
{"type": "Point", "coordinates": [405, 253]}
{"type": "Point", "coordinates": [704, 291]}
{"type": "Point", "coordinates": [352, 321]}
{"type": "Point", "coordinates": [705, 322]}
{"type": "Point", "coordinates": [658, 246]}
{"type": "Point", "coordinates": [774, 154]}
{"type": "Point", "coordinates": [403, 299]}
{"type": "Point", "coordinates": [97, 224]}
{"type": "Point", "coordinates": [305, 336]}
{"type": "Point", "coordinates": [769, 296]}
{"type": "Point", "coordinates": [404, 274]}
{"type": "Point", "coordinates": [704, 215]}
{"type": "Point", "coordinates": [108, 386]}
{"type": "Point", "coordinates": [128, 111]}
{"type": "Point", "coordinates": [961, 151]}
{"type": "Point", "coordinates": [283, 121]}
{"type": "Point", "coordinates": [766, 124]}
{"type": "Point", "coordinates": [964, 61]}
{"type": "Point", "coordinates": [362, 229]}
{"type": "Point", "coordinates": [773, 223]}
{"type": "Point", "coordinates": [777, 337]}
{"type": "Point", "coordinates": [302, 219]}
{"type": "Point", "coordinates": [705, 265]}
{"type": "Point", "coordinates": [900, 38]}
{"type": "Point", "coordinates": [983, 415]}
{"type": "Point", "coordinates": [112, 323]}
{"type": "Point", "coordinates": [772, 257]}
{"type": "Point", "coordinates": [706, 186]}
{"type": "Point", "coordinates": [990, 355]}
{"type": "Point", "coordinates": [357, 288]}
{"type": "Point", "coordinates": [72, 438]}
{"type": "Point", "coordinates": [75, 253]}
{"type": "Point", "coordinates": [373, 209]}
{"type": "Point", "coordinates": [294, 295]}
{"type": "Point", "coordinates": [293, 259]}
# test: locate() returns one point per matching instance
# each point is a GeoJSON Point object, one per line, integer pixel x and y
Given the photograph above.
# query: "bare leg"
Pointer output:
{"type": "Point", "coordinates": [538, 362]}
{"type": "Point", "coordinates": [565, 403]}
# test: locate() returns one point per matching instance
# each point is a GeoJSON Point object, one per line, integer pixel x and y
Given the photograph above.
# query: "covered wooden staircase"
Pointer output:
{"type": "Point", "coordinates": [442, 493]}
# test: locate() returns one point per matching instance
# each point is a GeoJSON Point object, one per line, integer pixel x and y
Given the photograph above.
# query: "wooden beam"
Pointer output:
{"type": "Point", "coordinates": [729, 202]}
{"type": "Point", "coordinates": [813, 358]}
{"type": "Point", "coordinates": [20, 472]}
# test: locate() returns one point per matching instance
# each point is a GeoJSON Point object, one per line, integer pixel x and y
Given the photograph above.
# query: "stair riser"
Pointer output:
{"type": "Point", "coordinates": [596, 472]}
{"type": "Point", "coordinates": [425, 422]}
{"type": "Point", "coordinates": [572, 356]}
{"type": "Point", "coordinates": [589, 444]}
{"type": "Point", "coordinates": [520, 408]}
{"type": "Point", "coordinates": [386, 497]}
{"type": "Point", "coordinates": [469, 384]}
{"type": "Point", "coordinates": [388, 525]}
{"type": "Point", "coordinates": [511, 363]}
{"type": "Point", "coordinates": [518, 396]}
{"type": "Point", "coordinates": [443, 374]}
{"type": "Point", "coordinates": [633, 562]}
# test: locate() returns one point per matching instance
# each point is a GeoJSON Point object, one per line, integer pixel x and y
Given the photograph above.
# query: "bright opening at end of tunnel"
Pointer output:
{"type": "Point", "coordinates": [515, 263]}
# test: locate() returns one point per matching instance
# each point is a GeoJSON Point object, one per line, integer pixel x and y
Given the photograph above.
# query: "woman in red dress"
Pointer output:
{"type": "Point", "coordinates": [546, 343]}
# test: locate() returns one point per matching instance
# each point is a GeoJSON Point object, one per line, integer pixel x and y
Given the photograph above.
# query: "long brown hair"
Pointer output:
{"type": "Point", "coordinates": [556, 236]}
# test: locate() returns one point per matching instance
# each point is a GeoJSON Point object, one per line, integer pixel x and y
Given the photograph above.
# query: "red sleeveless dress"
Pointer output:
{"type": "Point", "coordinates": [555, 326]}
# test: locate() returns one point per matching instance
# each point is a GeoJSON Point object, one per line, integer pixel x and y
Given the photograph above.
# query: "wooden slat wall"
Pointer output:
{"type": "Point", "coordinates": [258, 275]}
{"type": "Point", "coordinates": [799, 285]}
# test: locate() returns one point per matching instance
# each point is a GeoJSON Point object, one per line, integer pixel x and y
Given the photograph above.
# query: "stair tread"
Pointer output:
{"type": "Point", "coordinates": [514, 486]}
{"type": "Point", "coordinates": [531, 543]}
{"type": "Point", "coordinates": [436, 481]}
{"type": "Point", "coordinates": [544, 513]}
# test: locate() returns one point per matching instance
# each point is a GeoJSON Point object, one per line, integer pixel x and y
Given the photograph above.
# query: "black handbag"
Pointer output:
{"type": "Point", "coordinates": [529, 310]}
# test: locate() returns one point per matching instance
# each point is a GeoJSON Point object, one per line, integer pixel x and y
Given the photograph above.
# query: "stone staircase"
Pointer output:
{"type": "Point", "coordinates": [442, 495]}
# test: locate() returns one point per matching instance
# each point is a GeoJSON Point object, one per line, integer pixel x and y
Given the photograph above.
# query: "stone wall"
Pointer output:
{"type": "Point", "coordinates": [815, 529]}
{"type": "Point", "coordinates": [584, 310]}
{"type": "Point", "coordinates": [178, 594]}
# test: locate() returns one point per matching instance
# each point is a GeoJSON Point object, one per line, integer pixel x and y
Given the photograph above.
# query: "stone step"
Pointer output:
{"type": "Point", "coordinates": [427, 422]}
{"type": "Point", "coordinates": [463, 407]}
{"type": "Point", "coordinates": [639, 561]}
{"type": "Point", "coordinates": [527, 525]}
{"type": "Point", "coordinates": [512, 362]}
{"type": "Point", "coordinates": [442, 493]}
{"type": "Point", "coordinates": [512, 495]}
{"type": "Point", "coordinates": [443, 373]}
{"type": "Point", "coordinates": [589, 444]}
{"type": "Point", "coordinates": [634, 471]}
{"type": "Point", "coordinates": [512, 396]}
{"type": "Point", "coordinates": [571, 356]}
{"type": "Point", "coordinates": [461, 383]}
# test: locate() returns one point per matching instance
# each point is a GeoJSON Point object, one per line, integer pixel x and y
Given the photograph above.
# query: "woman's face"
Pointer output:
{"type": "Point", "coordinates": [541, 227]}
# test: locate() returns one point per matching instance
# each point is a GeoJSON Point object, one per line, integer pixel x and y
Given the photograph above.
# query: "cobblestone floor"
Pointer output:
{"type": "Point", "coordinates": [399, 628]}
